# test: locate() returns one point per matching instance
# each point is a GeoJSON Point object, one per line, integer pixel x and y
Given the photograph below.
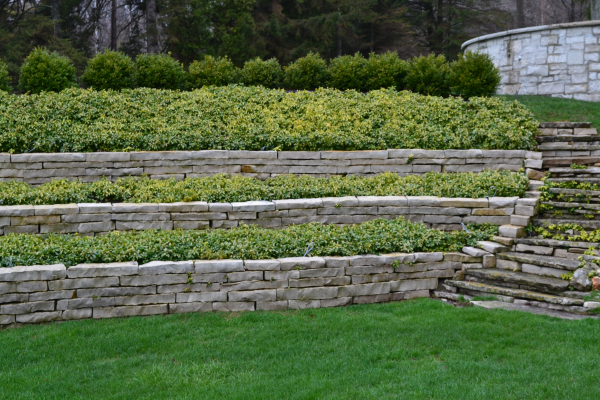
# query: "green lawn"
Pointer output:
{"type": "Point", "coordinates": [550, 109]}
{"type": "Point", "coordinates": [420, 349]}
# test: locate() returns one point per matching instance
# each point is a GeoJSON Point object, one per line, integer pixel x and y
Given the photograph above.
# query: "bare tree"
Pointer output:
{"type": "Point", "coordinates": [151, 27]}
{"type": "Point", "coordinates": [55, 12]}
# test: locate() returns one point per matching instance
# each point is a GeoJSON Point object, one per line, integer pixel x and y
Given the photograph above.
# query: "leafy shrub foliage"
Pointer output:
{"type": "Point", "coordinates": [212, 71]}
{"type": "Point", "coordinates": [4, 78]}
{"type": "Point", "coordinates": [428, 76]}
{"type": "Point", "coordinates": [385, 71]}
{"type": "Point", "coordinates": [473, 74]}
{"type": "Point", "coordinates": [225, 189]}
{"type": "Point", "coordinates": [250, 118]}
{"type": "Point", "coordinates": [244, 242]}
{"type": "Point", "coordinates": [43, 71]}
{"type": "Point", "coordinates": [159, 71]}
{"type": "Point", "coordinates": [306, 73]}
{"type": "Point", "coordinates": [348, 72]}
{"type": "Point", "coordinates": [262, 73]}
{"type": "Point", "coordinates": [110, 70]}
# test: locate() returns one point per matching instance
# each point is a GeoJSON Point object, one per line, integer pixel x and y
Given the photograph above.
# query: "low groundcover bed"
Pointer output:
{"type": "Point", "coordinates": [255, 118]}
{"type": "Point", "coordinates": [243, 242]}
{"type": "Point", "coordinates": [224, 188]}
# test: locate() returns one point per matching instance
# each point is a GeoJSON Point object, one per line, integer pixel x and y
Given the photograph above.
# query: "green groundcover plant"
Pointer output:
{"type": "Point", "coordinates": [243, 242]}
{"type": "Point", "coordinates": [225, 188]}
{"type": "Point", "coordinates": [252, 118]}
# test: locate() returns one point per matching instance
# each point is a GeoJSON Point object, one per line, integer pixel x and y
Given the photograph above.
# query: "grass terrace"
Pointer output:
{"type": "Point", "coordinates": [235, 188]}
{"type": "Point", "coordinates": [243, 242]}
{"type": "Point", "coordinates": [418, 349]}
{"type": "Point", "coordinates": [553, 109]}
{"type": "Point", "coordinates": [254, 118]}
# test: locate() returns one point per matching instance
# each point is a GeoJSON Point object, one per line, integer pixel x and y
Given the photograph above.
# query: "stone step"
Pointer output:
{"type": "Point", "coordinates": [566, 204]}
{"type": "Point", "coordinates": [492, 247]}
{"type": "Point", "coordinates": [579, 160]}
{"type": "Point", "coordinates": [519, 293]}
{"type": "Point", "coordinates": [574, 192]}
{"type": "Point", "coordinates": [585, 224]}
{"type": "Point", "coordinates": [541, 283]}
{"type": "Point", "coordinates": [565, 125]}
{"type": "Point", "coordinates": [566, 147]}
{"type": "Point", "coordinates": [575, 171]}
{"type": "Point", "coordinates": [493, 305]}
{"type": "Point", "coordinates": [544, 261]}
{"type": "Point", "coordinates": [578, 179]}
{"type": "Point", "coordinates": [563, 244]}
{"type": "Point", "coordinates": [567, 138]}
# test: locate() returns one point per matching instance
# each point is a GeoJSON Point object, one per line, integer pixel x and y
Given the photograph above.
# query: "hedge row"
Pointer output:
{"type": "Point", "coordinates": [244, 242]}
{"type": "Point", "coordinates": [225, 188]}
{"type": "Point", "coordinates": [253, 118]}
{"type": "Point", "coordinates": [473, 74]}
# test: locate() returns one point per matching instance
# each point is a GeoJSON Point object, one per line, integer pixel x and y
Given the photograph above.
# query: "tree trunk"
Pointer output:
{"type": "Point", "coordinates": [151, 28]}
{"type": "Point", "coordinates": [595, 8]}
{"type": "Point", "coordinates": [113, 25]}
{"type": "Point", "coordinates": [520, 14]}
{"type": "Point", "coordinates": [55, 12]}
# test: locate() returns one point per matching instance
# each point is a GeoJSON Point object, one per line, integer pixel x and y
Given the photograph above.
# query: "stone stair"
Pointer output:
{"type": "Point", "coordinates": [535, 271]}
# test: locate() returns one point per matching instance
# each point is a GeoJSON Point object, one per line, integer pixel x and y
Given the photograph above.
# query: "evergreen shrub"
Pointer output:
{"type": "Point", "coordinates": [212, 71]}
{"type": "Point", "coordinates": [385, 70]}
{"type": "Point", "coordinates": [5, 85]}
{"type": "Point", "coordinates": [428, 76]}
{"type": "Point", "coordinates": [159, 71]}
{"type": "Point", "coordinates": [348, 72]}
{"type": "Point", "coordinates": [43, 71]}
{"type": "Point", "coordinates": [267, 73]}
{"type": "Point", "coordinates": [306, 73]}
{"type": "Point", "coordinates": [110, 70]}
{"type": "Point", "coordinates": [473, 74]}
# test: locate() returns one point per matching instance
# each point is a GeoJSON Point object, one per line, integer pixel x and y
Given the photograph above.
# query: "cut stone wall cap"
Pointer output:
{"type": "Point", "coordinates": [220, 207]}
{"type": "Point", "coordinates": [290, 263]}
{"type": "Point", "coordinates": [337, 262]}
{"type": "Point", "coordinates": [527, 202]}
{"type": "Point", "coordinates": [57, 209]}
{"type": "Point", "coordinates": [352, 155]}
{"type": "Point", "coordinates": [431, 201]}
{"type": "Point", "coordinates": [416, 153]}
{"type": "Point", "coordinates": [262, 265]}
{"type": "Point", "coordinates": [533, 155]}
{"type": "Point", "coordinates": [475, 252]}
{"type": "Point", "coordinates": [367, 260]}
{"type": "Point", "coordinates": [33, 273]}
{"type": "Point", "coordinates": [382, 201]}
{"type": "Point", "coordinates": [463, 202]}
{"type": "Point", "coordinates": [299, 155]}
{"type": "Point", "coordinates": [166, 267]}
{"type": "Point", "coordinates": [402, 258]}
{"type": "Point", "coordinates": [256, 206]}
{"type": "Point", "coordinates": [298, 204]}
{"type": "Point", "coordinates": [135, 208]}
{"type": "Point", "coordinates": [95, 208]}
{"type": "Point", "coordinates": [503, 202]}
{"type": "Point", "coordinates": [473, 153]}
{"type": "Point", "coordinates": [16, 211]}
{"type": "Point", "coordinates": [47, 157]}
{"type": "Point", "coordinates": [503, 153]}
{"type": "Point", "coordinates": [210, 266]}
{"type": "Point", "coordinates": [252, 154]}
{"type": "Point", "coordinates": [160, 155]}
{"type": "Point", "coordinates": [348, 201]}
{"type": "Point", "coordinates": [201, 154]}
{"type": "Point", "coordinates": [428, 257]}
{"type": "Point", "coordinates": [107, 269]}
{"type": "Point", "coordinates": [192, 206]}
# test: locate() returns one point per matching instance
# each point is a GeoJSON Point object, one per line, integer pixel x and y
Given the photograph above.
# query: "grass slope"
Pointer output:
{"type": "Point", "coordinates": [551, 109]}
{"type": "Point", "coordinates": [420, 349]}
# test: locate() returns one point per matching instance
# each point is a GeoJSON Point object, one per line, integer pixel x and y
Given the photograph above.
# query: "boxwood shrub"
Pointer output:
{"type": "Point", "coordinates": [428, 75]}
{"type": "Point", "coordinates": [45, 71]}
{"type": "Point", "coordinates": [212, 71]}
{"type": "Point", "coordinates": [250, 118]}
{"type": "Point", "coordinates": [267, 73]}
{"type": "Point", "coordinates": [159, 71]}
{"type": "Point", "coordinates": [306, 73]}
{"type": "Point", "coordinates": [473, 74]}
{"type": "Point", "coordinates": [244, 242]}
{"type": "Point", "coordinates": [5, 85]}
{"type": "Point", "coordinates": [348, 72]}
{"type": "Point", "coordinates": [110, 70]}
{"type": "Point", "coordinates": [225, 188]}
{"type": "Point", "coordinates": [385, 70]}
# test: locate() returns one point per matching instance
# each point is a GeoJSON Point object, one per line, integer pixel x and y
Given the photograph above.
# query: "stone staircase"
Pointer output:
{"type": "Point", "coordinates": [534, 271]}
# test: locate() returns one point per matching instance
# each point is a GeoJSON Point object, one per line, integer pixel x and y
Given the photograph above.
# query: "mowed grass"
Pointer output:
{"type": "Point", "coordinates": [551, 109]}
{"type": "Point", "coordinates": [419, 349]}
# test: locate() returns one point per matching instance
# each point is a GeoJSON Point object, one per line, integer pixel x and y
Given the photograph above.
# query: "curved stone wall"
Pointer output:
{"type": "Point", "coordinates": [561, 60]}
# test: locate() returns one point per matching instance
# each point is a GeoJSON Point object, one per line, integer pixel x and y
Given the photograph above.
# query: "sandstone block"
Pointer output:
{"type": "Point", "coordinates": [53, 295]}
{"type": "Point", "coordinates": [254, 295]}
{"type": "Point", "coordinates": [262, 265]}
{"type": "Point", "coordinates": [303, 304]}
{"type": "Point", "coordinates": [244, 276]}
{"type": "Point", "coordinates": [535, 164]}
{"type": "Point", "coordinates": [319, 281]}
{"type": "Point", "coordinates": [348, 201]}
{"type": "Point", "coordinates": [489, 261]}
{"type": "Point", "coordinates": [461, 257]}
{"type": "Point", "coordinates": [428, 257]}
{"type": "Point", "coordinates": [85, 303]}
{"type": "Point", "coordinates": [364, 289]}
{"type": "Point", "coordinates": [81, 313]}
{"type": "Point", "coordinates": [316, 293]}
{"type": "Point", "coordinates": [463, 202]}
{"type": "Point", "coordinates": [190, 307]}
{"type": "Point", "coordinates": [202, 216]}
{"type": "Point", "coordinates": [253, 285]}
{"type": "Point", "coordinates": [15, 298]}
{"type": "Point", "coordinates": [253, 206]}
{"type": "Point", "coordinates": [39, 317]}
{"type": "Point", "coordinates": [58, 209]}
{"type": "Point", "coordinates": [507, 264]}
{"type": "Point", "coordinates": [147, 299]}
{"type": "Point", "coordinates": [416, 294]}
{"type": "Point", "coordinates": [21, 229]}
{"type": "Point", "coordinates": [382, 201]}
{"type": "Point", "coordinates": [233, 306]}
{"type": "Point", "coordinates": [201, 297]}
{"type": "Point", "coordinates": [182, 207]}
{"type": "Point", "coordinates": [47, 157]}
{"type": "Point", "coordinates": [282, 275]}
{"type": "Point", "coordinates": [252, 154]}
{"type": "Point", "coordinates": [321, 272]}
{"type": "Point", "coordinates": [66, 284]}
{"type": "Point", "coordinates": [352, 155]}
{"type": "Point", "coordinates": [142, 226]}
{"type": "Point", "coordinates": [378, 298]}
{"type": "Point", "coordinates": [114, 291]}
{"type": "Point", "coordinates": [135, 208]}
{"type": "Point", "coordinates": [417, 284]}
{"type": "Point", "coordinates": [191, 225]}
{"type": "Point", "coordinates": [528, 211]}
{"type": "Point", "coordinates": [336, 262]}
{"type": "Point", "coordinates": [31, 286]}
{"type": "Point", "coordinates": [420, 201]}
{"type": "Point", "coordinates": [189, 287]}
{"type": "Point", "coordinates": [96, 270]}
{"type": "Point", "coordinates": [148, 280]}
{"type": "Point", "coordinates": [519, 220]}
{"type": "Point", "coordinates": [364, 270]}
{"type": "Point", "coordinates": [290, 263]}
{"type": "Point", "coordinates": [24, 308]}
{"type": "Point", "coordinates": [298, 204]}
{"type": "Point", "coordinates": [272, 305]}
{"type": "Point", "coordinates": [129, 311]}
{"type": "Point", "coordinates": [108, 157]}
{"type": "Point", "coordinates": [35, 220]}
{"type": "Point", "coordinates": [166, 267]}
{"type": "Point", "coordinates": [7, 319]}
{"type": "Point", "coordinates": [33, 273]}
{"type": "Point", "coordinates": [511, 231]}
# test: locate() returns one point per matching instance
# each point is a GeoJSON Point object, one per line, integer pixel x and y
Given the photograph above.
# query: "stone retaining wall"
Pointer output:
{"type": "Point", "coordinates": [39, 168]}
{"type": "Point", "coordinates": [561, 60]}
{"type": "Point", "coordinates": [53, 293]}
{"type": "Point", "coordinates": [96, 218]}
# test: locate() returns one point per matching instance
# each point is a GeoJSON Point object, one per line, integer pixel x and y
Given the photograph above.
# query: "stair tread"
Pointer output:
{"type": "Point", "coordinates": [576, 191]}
{"type": "Point", "coordinates": [577, 180]}
{"type": "Point", "coordinates": [520, 293]}
{"type": "Point", "coordinates": [583, 171]}
{"type": "Point", "coordinates": [566, 125]}
{"type": "Point", "coordinates": [492, 305]}
{"type": "Point", "coordinates": [521, 278]}
{"type": "Point", "coordinates": [556, 243]}
{"type": "Point", "coordinates": [566, 204]}
{"type": "Point", "coordinates": [545, 261]}
{"type": "Point", "coordinates": [571, 160]}
{"type": "Point", "coordinates": [567, 147]}
{"type": "Point", "coordinates": [585, 224]}
{"type": "Point", "coordinates": [567, 138]}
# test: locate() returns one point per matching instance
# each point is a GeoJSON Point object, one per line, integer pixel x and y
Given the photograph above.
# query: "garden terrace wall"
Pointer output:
{"type": "Point", "coordinates": [38, 168]}
{"type": "Point", "coordinates": [54, 293]}
{"type": "Point", "coordinates": [96, 218]}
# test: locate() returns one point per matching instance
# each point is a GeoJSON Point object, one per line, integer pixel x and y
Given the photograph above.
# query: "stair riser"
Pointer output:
{"type": "Point", "coordinates": [515, 285]}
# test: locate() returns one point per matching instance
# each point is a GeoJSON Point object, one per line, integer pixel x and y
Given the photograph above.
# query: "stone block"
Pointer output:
{"type": "Point", "coordinates": [511, 231]}
{"type": "Point", "coordinates": [190, 307]}
{"type": "Point", "coordinates": [416, 284]}
{"type": "Point", "coordinates": [428, 257]}
{"type": "Point", "coordinates": [233, 306]}
{"type": "Point", "coordinates": [253, 285]}
{"type": "Point", "coordinates": [282, 275]}
{"type": "Point", "coordinates": [316, 293]}
{"type": "Point", "coordinates": [148, 280]}
{"type": "Point", "coordinates": [129, 311]}
{"type": "Point", "coordinates": [53, 295]}
{"type": "Point", "coordinates": [254, 295]}
{"type": "Point", "coordinates": [415, 294]}
{"type": "Point", "coordinates": [15, 298]}
{"type": "Point", "coordinates": [144, 299]}
{"type": "Point", "coordinates": [520, 220]}
{"type": "Point", "coordinates": [423, 201]}
{"type": "Point", "coordinates": [252, 154]}
{"type": "Point", "coordinates": [33, 273]}
{"type": "Point", "coordinates": [290, 263]}
{"type": "Point", "coordinates": [7, 319]}
{"type": "Point", "coordinates": [39, 317]}
{"type": "Point", "coordinates": [160, 155]}
{"type": "Point", "coordinates": [201, 297]}
{"type": "Point", "coordinates": [82, 283]}
{"type": "Point", "coordinates": [241, 215]}
{"type": "Point", "coordinates": [253, 206]}
{"type": "Point", "coordinates": [142, 226]}
{"type": "Point", "coordinates": [184, 207]}
{"type": "Point", "coordinates": [203, 216]}
{"type": "Point", "coordinates": [244, 276]}
{"type": "Point", "coordinates": [489, 261]}
{"type": "Point", "coordinates": [108, 157]}
{"type": "Point", "coordinates": [94, 208]}
{"type": "Point", "coordinates": [16, 211]}
{"type": "Point", "coordinates": [114, 291]}
{"type": "Point", "coordinates": [507, 264]}
{"type": "Point", "coordinates": [303, 304]}
{"type": "Point", "coordinates": [59, 228]}
{"type": "Point", "coordinates": [24, 308]}
{"type": "Point", "coordinates": [462, 202]}
{"type": "Point", "coordinates": [364, 289]}
{"type": "Point", "coordinates": [544, 271]}
{"type": "Point", "coordinates": [382, 201]}
{"type": "Point", "coordinates": [348, 201]}
{"type": "Point", "coordinates": [141, 217]}
{"type": "Point", "coordinates": [166, 267]}
{"type": "Point", "coordinates": [135, 208]}
{"type": "Point", "coordinates": [352, 155]}
{"type": "Point", "coordinates": [298, 204]}
{"type": "Point", "coordinates": [191, 225]}
{"type": "Point", "coordinates": [47, 157]}
{"type": "Point", "coordinates": [262, 265]}
{"type": "Point", "coordinates": [189, 287]}
{"type": "Point", "coordinates": [272, 305]}
{"type": "Point", "coordinates": [81, 313]}
{"type": "Point", "coordinates": [540, 250]}
{"type": "Point", "coordinates": [319, 281]}
{"type": "Point", "coordinates": [97, 270]}
{"type": "Point", "coordinates": [321, 272]}
{"type": "Point", "coordinates": [34, 220]}
{"type": "Point", "coordinates": [299, 155]}
{"type": "Point", "coordinates": [92, 302]}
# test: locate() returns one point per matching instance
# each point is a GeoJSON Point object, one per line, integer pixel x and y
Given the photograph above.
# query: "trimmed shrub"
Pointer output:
{"type": "Point", "coordinates": [244, 242]}
{"type": "Point", "coordinates": [385, 71]}
{"type": "Point", "coordinates": [473, 74]}
{"type": "Point", "coordinates": [110, 70]}
{"type": "Point", "coordinates": [43, 71]}
{"type": "Point", "coordinates": [306, 73]}
{"type": "Point", "coordinates": [250, 118]}
{"type": "Point", "coordinates": [348, 72]}
{"type": "Point", "coordinates": [212, 71]}
{"type": "Point", "coordinates": [159, 71]}
{"type": "Point", "coordinates": [5, 85]}
{"type": "Point", "coordinates": [227, 189]}
{"type": "Point", "coordinates": [428, 76]}
{"type": "Point", "coordinates": [257, 72]}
